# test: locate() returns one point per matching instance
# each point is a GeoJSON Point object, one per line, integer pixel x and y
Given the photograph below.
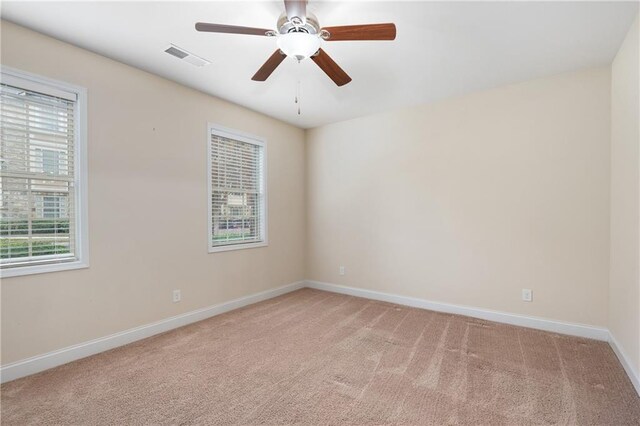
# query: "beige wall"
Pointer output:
{"type": "Point", "coordinates": [624, 290]}
{"type": "Point", "coordinates": [469, 200]}
{"type": "Point", "coordinates": [148, 206]}
{"type": "Point", "coordinates": [466, 201]}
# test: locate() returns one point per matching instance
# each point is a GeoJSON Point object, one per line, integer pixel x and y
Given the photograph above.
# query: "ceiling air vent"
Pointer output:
{"type": "Point", "coordinates": [180, 53]}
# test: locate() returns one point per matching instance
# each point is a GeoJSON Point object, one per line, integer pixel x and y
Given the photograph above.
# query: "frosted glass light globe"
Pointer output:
{"type": "Point", "coordinates": [299, 45]}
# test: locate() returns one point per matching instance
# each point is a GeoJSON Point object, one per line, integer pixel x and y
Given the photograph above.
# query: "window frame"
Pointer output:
{"type": "Point", "coordinates": [58, 88]}
{"type": "Point", "coordinates": [225, 132]}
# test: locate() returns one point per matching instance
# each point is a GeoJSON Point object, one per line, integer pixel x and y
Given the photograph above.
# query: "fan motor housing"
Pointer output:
{"type": "Point", "coordinates": [310, 26]}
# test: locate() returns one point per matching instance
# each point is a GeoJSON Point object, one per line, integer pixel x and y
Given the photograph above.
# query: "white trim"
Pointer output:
{"type": "Point", "coordinates": [554, 326]}
{"type": "Point", "coordinates": [79, 95]}
{"type": "Point", "coordinates": [18, 271]}
{"type": "Point", "coordinates": [82, 179]}
{"type": "Point", "coordinates": [562, 327]}
{"type": "Point", "coordinates": [238, 246]}
{"type": "Point", "coordinates": [35, 83]}
{"type": "Point", "coordinates": [245, 137]}
{"type": "Point", "coordinates": [52, 359]}
{"type": "Point", "coordinates": [626, 364]}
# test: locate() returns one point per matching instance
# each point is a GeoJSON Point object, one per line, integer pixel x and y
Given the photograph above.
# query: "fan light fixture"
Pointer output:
{"type": "Point", "coordinates": [299, 35]}
{"type": "Point", "coordinates": [300, 45]}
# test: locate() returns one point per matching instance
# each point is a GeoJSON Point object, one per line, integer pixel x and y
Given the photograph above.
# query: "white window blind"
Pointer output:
{"type": "Point", "coordinates": [38, 194]}
{"type": "Point", "coordinates": [237, 191]}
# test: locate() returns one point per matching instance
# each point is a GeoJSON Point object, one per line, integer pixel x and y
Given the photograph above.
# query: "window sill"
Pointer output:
{"type": "Point", "coordinates": [216, 249]}
{"type": "Point", "coordinates": [41, 269]}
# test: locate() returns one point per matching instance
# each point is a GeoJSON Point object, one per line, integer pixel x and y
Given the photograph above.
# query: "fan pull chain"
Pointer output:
{"type": "Point", "coordinates": [298, 98]}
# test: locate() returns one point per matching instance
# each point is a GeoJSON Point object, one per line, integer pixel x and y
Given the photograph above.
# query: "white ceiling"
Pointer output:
{"type": "Point", "coordinates": [442, 49]}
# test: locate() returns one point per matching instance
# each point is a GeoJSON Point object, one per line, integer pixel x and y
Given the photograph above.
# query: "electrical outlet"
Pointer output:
{"type": "Point", "coordinates": [176, 296]}
{"type": "Point", "coordinates": [527, 295]}
{"type": "Point", "coordinates": [342, 270]}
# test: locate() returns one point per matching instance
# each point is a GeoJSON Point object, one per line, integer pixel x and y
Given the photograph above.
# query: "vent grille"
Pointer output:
{"type": "Point", "coordinates": [186, 56]}
{"type": "Point", "coordinates": [176, 52]}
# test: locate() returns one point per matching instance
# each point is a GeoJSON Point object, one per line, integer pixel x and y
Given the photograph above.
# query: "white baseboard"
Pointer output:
{"type": "Point", "coordinates": [561, 327]}
{"type": "Point", "coordinates": [52, 359]}
{"type": "Point", "coordinates": [626, 364]}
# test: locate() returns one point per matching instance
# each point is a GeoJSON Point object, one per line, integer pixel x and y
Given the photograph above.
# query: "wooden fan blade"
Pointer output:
{"type": "Point", "coordinates": [362, 32]}
{"type": "Point", "coordinates": [296, 8]}
{"type": "Point", "coordinates": [272, 63]}
{"type": "Point", "coordinates": [230, 29]}
{"type": "Point", "coordinates": [330, 68]}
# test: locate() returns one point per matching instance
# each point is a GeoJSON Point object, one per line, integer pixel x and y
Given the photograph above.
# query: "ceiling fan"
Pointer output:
{"type": "Point", "coordinates": [299, 35]}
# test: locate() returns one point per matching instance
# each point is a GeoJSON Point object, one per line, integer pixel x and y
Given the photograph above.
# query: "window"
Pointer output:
{"type": "Point", "coordinates": [52, 206]}
{"type": "Point", "coordinates": [237, 196]}
{"type": "Point", "coordinates": [43, 224]}
{"type": "Point", "coordinates": [49, 160]}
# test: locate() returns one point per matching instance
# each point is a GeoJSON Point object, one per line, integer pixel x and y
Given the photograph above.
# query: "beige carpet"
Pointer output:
{"type": "Point", "coordinates": [312, 357]}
